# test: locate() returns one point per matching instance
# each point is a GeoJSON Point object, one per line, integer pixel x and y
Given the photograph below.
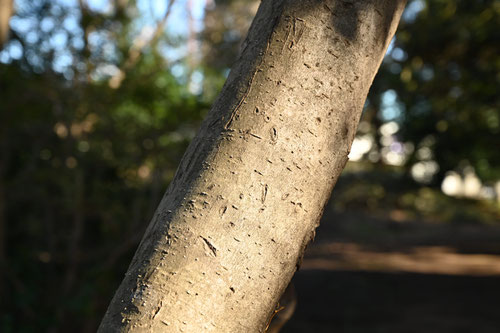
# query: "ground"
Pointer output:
{"type": "Point", "coordinates": [387, 274]}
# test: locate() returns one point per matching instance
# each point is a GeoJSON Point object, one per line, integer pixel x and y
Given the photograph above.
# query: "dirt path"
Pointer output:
{"type": "Point", "coordinates": [367, 275]}
{"type": "Point", "coordinates": [366, 302]}
{"type": "Point", "coordinates": [419, 259]}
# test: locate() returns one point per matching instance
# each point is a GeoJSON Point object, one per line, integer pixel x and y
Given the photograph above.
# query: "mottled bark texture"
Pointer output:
{"type": "Point", "coordinates": [232, 227]}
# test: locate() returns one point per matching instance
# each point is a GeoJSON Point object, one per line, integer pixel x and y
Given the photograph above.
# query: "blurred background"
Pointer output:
{"type": "Point", "coordinates": [100, 98]}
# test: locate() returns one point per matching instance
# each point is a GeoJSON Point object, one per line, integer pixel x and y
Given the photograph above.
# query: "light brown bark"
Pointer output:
{"type": "Point", "coordinates": [6, 8]}
{"type": "Point", "coordinates": [248, 195]}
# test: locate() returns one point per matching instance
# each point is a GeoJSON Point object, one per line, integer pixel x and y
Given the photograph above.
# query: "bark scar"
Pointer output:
{"type": "Point", "coordinates": [264, 193]}
{"type": "Point", "coordinates": [222, 210]}
{"type": "Point", "coordinates": [289, 27]}
{"type": "Point", "coordinates": [297, 34]}
{"type": "Point", "coordinates": [249, 87]}
{"type": "Point", "coordinates": [210, 246]}
{"type": "Point", "coordinates": [157, 309]}
{"type": "Point", "coordinates": [294, 33]}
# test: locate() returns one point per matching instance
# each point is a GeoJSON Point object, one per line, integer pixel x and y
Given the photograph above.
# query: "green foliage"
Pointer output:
{"type": "Point", "coordinates": [85, 165]}
{"type": "Point", "coordinates": [444, 68]}
{"type": "Point", "coordinates": [390, 193]}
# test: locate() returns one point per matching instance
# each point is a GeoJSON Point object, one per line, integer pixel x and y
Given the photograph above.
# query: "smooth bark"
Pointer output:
{"type": "Point", "coordinates": [6, 8]}
{"type": "Point", "coordinates": [247, 197]}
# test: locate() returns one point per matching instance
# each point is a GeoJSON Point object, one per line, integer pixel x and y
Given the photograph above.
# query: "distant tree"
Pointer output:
{"type": "Point", "coordinates": [443, 70]}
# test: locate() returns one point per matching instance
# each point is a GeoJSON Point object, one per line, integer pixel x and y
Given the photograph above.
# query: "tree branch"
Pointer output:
{"type": "Point", "coordinates": [138, 47]}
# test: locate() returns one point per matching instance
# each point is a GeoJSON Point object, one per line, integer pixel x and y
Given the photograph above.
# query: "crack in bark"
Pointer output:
{"type": "Point", "coordinates": [264, 193]}
{"type": "Point", "coordinates": [210, 246]}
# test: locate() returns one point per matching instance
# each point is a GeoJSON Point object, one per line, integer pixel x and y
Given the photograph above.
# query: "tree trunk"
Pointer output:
{"type": "Point", "coordinates": [6, 8]}
{"type": "Point", "coordinates": [233, 225]}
